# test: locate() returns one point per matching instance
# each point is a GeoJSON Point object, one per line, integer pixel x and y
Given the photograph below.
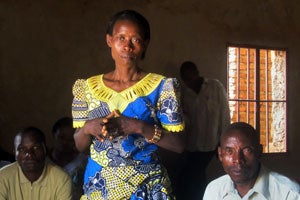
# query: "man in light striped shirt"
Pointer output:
{"type": "Point", "coordinates": [239, 153]}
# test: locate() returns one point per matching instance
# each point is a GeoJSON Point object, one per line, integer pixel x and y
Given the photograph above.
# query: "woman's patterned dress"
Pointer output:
{"type": "Point", "coordinates": [127, 167]}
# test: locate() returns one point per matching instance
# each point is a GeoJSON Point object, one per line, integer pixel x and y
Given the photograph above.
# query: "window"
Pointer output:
{"type": "Point", "coordinates": [257, 92]}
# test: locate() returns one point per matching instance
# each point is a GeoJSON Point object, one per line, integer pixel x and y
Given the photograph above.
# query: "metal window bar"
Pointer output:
{"type": "Point", "coordinates": [257, 101]}
{"type": "Point", "coordinates": [257, 81]}
{"type": "Point", "coordinates": [238, 81]}
{"type": "Point", "coordinates": [257, 90]}
{"type": "Point", "coordinates": [248, 84]}
{"type": "Point", "coordinates": [267, 107]}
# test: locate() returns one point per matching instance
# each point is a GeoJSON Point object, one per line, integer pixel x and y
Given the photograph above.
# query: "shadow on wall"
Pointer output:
{"type": "Point", "coordinates": [214, 169]}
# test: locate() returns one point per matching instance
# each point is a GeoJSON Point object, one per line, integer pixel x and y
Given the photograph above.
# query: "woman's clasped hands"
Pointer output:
{"type": "Point", "coordinates": [108, 127]}
{"type": "Point", "coordinates": [111, 126]}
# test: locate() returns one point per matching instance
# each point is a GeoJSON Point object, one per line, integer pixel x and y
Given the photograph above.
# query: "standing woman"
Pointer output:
{"type": "Point", "coordinates": [123, 116]}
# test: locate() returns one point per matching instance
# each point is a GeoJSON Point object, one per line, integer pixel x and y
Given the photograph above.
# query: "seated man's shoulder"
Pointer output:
{"type": "Point", "coordinates": [56, 171]}
{"type": "Point", "coordinates": [284, 181]}
{"type": "Point", "coordinates": [218, 187]}
{"type": "Point", "coordinates": [219, 184]}
{"type": "Point", "coordinates": [220, 181]}
{"type": "Point", "coordinates": [8, 170]}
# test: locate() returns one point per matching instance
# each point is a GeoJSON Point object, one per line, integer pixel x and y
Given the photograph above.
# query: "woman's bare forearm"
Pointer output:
{"type": "Point", "coordinates": [82, 140]}
{"type": "Point", "coordinates": [173, 141]}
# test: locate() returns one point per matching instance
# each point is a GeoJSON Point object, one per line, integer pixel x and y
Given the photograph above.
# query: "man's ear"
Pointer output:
{"type": "Point", "coordinates": [45, 149]}
{"type": "Point", "coordinates": [220, 153]}
{"type": "Point", "coordinates": [14, 152]}
{"type": "Point", "coordinates": [108, 40]}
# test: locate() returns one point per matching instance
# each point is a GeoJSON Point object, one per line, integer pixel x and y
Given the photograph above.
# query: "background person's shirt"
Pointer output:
{"type": "Point", "coordinates": [3, 163]}
{"type": "Point", "coordinates": [206, 115]}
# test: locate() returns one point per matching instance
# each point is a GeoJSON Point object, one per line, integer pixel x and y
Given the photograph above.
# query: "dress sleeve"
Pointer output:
{"type": "Point", "coordinates": [79, 104]}
{"type": "Point", "coordinates": [169, 106]}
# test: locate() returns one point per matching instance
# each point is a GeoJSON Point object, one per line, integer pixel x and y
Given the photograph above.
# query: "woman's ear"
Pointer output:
{"type": "Point", "coordinates": [146, 43]}
{"type": "Point", "coordinates": [108, 40]}
{"type": "Point", "coordinates": [145, 46]}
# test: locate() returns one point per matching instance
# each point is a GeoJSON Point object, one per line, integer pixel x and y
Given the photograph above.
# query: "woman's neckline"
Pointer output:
{"type": "Point", "coordinates": [127, 88]}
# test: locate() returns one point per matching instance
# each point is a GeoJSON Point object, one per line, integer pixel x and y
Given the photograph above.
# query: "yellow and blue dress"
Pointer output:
{"type": "Point", "coordinates": [127, 167]}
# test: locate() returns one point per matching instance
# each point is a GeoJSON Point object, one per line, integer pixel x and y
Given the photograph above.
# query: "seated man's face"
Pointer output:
{"type": "Point", "coordinates": [30, 152]}
{"type": "Point", "coordinates": [239, 157]}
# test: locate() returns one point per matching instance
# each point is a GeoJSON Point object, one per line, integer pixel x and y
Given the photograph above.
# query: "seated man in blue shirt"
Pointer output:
{"type": "Point", "coordinates": [239, 153]}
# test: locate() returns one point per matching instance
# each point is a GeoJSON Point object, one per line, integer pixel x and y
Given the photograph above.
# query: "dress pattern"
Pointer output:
{"type": "Point", "coordinates": [127, 167]}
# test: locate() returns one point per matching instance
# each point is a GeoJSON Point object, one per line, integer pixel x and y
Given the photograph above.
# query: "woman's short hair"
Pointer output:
{"type": "Point", "coordinates": [132, 16]}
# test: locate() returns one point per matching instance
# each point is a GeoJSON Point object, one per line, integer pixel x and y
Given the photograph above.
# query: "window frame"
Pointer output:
{"type": "Point", "coordinates": [257, 114]}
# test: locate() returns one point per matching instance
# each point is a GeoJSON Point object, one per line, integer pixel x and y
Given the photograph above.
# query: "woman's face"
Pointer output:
{"type": "Point", "coordinates": [126, 43]}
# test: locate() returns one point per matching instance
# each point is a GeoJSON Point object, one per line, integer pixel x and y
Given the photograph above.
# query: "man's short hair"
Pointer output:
{"type": "Point", "coordinates": [37, 132]}
{"type": "Point", "coordinates": [62, 122]}
{"type": "Point", "coordinates": [246, 129]}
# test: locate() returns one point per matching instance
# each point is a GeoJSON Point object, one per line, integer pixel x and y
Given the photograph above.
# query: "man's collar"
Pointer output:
{"type": "Point", "coordinates": [229, 188]}
{"type": "Point", "coordinates": [260, 186]}
{"type": "Point", "coordinates": [262, 183]}
{"type": "Point", "coordinates": [41, 180]}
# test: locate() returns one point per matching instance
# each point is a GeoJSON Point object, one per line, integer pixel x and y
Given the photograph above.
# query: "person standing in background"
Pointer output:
{"type": "Point", "coordinates": [206, 112]}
